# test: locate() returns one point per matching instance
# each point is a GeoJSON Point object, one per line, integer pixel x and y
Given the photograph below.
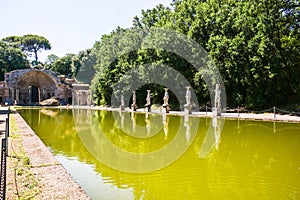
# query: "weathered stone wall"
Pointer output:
{"type": "Point", "coordinates": [31, 86]}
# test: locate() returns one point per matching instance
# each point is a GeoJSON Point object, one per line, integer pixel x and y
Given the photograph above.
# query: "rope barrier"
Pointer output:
{"type": "Point", "coordinates": [257, 111]}
{"type": "Point", "coordinates": [239, 110]}
{"type": "Point", "coordinates": [287, 112]}
{"type": "Point", "coordinates": [273, 110]}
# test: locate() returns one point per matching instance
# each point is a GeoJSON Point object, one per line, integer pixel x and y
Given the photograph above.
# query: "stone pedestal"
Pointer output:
{"type": "Point", "coordinates": [148, 108]}
{"type": "Point", "coordinates": [187, 109]}
{"type": "Point", "coordinates": [166, 108]}
{"type": "Point", "coordinates": [216, 112]}
{"type": "Point", "coordinates": [133, 107]}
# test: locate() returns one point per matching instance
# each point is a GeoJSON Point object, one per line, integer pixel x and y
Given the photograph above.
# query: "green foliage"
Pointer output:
{"type": "Point", "coordinates": [13, 49]}
{"type": "Point", "coordinates": [72, 64]}
{"type": "Point", "coordinates": [11, 58]}
{"type": "Point", "coordinates": [255, 45]}
{"type": "Point", "coordinates": [63, 65]}
{"type": "Point", "coordinates": [34, 43]}
{"type": "Point", "coordinates": [51, 58]}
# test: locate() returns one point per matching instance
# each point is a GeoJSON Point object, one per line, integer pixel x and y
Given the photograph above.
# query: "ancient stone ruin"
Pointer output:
{"type": "Point", "coordinates": [33, 86]}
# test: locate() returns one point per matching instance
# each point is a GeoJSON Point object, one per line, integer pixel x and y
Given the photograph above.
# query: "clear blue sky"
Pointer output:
{"type": "Point", "coordinates": [69, 25]}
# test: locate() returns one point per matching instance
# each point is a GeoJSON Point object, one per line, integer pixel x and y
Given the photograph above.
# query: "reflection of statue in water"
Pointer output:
{"type": "Point", "coordinates": [122, 118]}
{"type": "Point", "coordinates": [133, 119]}
{"type": "Point", "coordinates": [148, 126]}
{"type": "Point", "coordinates": [166, 101]}
{"type": "Point", "coordinates": [133, 105]}
{"type": "Point", "coordinates": [188, 128]}
{"type": "Point", "coordinates": [166, 125]}
{"type": "Point", "coordinates": [187, 106]}
{"type": "Point", "coordinates": [213, 137]}
{"type": "Point", "coordinates": [148, 100]}
{"type": "Point", "coordinates": [217, 103]}
{"type": "Point", "coordinates": [217, 131]}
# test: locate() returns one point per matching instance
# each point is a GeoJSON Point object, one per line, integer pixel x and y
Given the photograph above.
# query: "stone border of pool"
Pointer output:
{"type": "Point", "coordinates": [242, 116]}
{"type": "Point", "coordinates": [53, 180]}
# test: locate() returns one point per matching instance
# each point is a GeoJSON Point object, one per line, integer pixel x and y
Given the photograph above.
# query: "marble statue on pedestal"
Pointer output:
{"type": "Point", "coordinates": [188, 106]}
{"type": "Point", "coordinates": [133, 105]}
{"type": "Point", "coordinates": [217, 102]}
{"type": "Point", "coordinates": [148, 100]}
{"type": "Point", "coordinates": [166, 101]}
{"type": "Point", "coordinates": [122, 106]}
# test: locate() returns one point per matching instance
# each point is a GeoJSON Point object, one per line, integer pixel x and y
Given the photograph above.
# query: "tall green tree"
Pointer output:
{"type": "Point", "coordinates": [51, 58]}
{"type": "Point", "coordinates": [33, 44]}
{"type": "Point", "coordinates": [255, 45]}
{"type": "Point", "coordinates": [11, 58]}
{"type": "Point", "coordinates": [63, 65]}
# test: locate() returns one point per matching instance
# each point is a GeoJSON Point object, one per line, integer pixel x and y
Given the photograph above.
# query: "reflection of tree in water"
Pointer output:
{"type": "Point", "coordinates": [244, 156]}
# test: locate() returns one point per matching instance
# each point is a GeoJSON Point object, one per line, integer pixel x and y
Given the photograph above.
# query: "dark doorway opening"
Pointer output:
{"type": "Point", "coordinates": [34, 94]}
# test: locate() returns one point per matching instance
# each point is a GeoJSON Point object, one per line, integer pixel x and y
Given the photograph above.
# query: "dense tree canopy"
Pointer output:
{"type": "Point", "coordinates": [71, 64]}
{"type": "Point", "coordinates": [255, 45]}
{"type": "Point", "coordinates": [34, 44]}
{"type": "Point", "coordinates": [29, 43]}
{"type": "Point", "coordinates": [11, 58]}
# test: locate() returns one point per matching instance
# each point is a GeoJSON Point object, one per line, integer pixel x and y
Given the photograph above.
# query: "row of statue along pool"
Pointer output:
{"type": "Point", "coordinates": [121, 155]}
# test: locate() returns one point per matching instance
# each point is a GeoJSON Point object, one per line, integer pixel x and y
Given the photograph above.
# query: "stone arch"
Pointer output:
{"type": "Point", "coordinates": [35, 86]}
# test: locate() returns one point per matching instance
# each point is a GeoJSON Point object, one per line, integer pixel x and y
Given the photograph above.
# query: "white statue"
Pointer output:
{"type": "Point", "coordinates": [217, 96]}
{"type": "Point", "coordinates": [148, 99]}
{"type": "Point", "coordinates": [133, 105]}
{"type": "Point", "coordinates": [166, 97]}
{"type": "Point", "coordinates": [217, 107]}
{"type": "Point", "coordinates": [122, 102]}
{"type": "Point", "coordinates": [133, 98]}
{"type": "Point", "coordinates": [188, 95]}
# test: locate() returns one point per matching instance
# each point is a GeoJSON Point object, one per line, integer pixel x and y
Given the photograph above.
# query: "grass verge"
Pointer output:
{"type": "Point", "coordinates": [21, 183]}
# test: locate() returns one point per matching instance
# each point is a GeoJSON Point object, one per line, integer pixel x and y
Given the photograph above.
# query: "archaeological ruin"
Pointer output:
{"type": "Point", "coordinates": [33, 86]}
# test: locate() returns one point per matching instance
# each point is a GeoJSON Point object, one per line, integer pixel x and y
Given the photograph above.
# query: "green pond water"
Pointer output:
{"type": "Point", "coordinates": [114, 155]}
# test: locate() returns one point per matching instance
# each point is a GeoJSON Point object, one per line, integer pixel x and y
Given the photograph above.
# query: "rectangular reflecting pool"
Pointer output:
{"type": "Point", "coordinates": [120, 155]}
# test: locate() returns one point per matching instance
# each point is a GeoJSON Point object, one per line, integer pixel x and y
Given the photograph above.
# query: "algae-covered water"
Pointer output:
{"type": "Point", "coordinates": [182, 158]}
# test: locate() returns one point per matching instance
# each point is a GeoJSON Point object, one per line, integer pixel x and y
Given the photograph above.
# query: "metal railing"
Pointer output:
{"type": "Point", "coordinates": [4, 154]}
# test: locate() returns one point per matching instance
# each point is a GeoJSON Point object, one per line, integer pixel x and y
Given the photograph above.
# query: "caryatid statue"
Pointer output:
{"type": "Point", "coordinates": [217, 104]}
{"type": "Point", "coordinates": [217, 96]}
{"type": "Point", "coordinates": [166, 97]}
{"type": "Point", "coordinates": [187, 106]}
{"type": "Point", "coordinates": [122, 106]}
{"type": "Point", "coordinates": [166, 100]}
{"type": "Point", "coordinates": [133, 105]}
{"type": "Point", "coordinates": [148, 100]}
{"type": "Point", "coordinates": [188, 95]}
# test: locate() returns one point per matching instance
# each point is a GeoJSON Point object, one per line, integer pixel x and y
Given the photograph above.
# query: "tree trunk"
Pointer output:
{"type": "Point", "coordinates": [36, 57]}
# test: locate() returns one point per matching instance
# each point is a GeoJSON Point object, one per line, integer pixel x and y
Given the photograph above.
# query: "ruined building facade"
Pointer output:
{"type": "Point", "coordinates": [32, 86]}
